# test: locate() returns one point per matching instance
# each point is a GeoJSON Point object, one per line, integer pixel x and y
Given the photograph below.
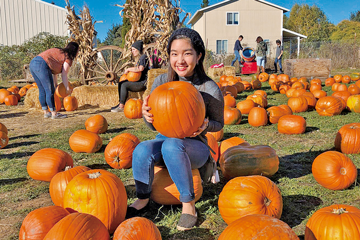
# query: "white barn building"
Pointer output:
{"type": "Point", "coordinates": [21, 20]}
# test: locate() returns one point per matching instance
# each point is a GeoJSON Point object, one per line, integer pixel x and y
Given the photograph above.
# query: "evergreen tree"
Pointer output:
{"type": "Point", "coordinates": [126, 26]}
{"type": "Point", "coordinates": [114, 36]}
{"type": "Point", "coordinates": [205, 3]}
{"type": "Point", "coordinates": [347, 31]}
{"type": "Point", "coordinates": [309, 21]}
{"type": "Point", "coordinates": [355, 16]}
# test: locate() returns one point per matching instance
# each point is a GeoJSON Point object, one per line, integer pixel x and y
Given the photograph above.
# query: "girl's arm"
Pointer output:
{"type": "Point", "coordinates": [64, 76]}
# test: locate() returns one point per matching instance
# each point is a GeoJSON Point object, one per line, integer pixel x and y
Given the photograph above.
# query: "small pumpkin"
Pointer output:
{"type": "Point", "coordinates": [39, 222]}
{"type": "Point", "coordinates": [263, 77]}
{"type": "Point", "coordinates": [3, 94]}
{"type": "Point", "coordinates": [315, 81]}
{"type": "Point", "coordinates": [70, 103]}
{"type": "Point", "coordinates": [133, 108]}
{"type": "Point", "coordinates": [341, 94]}
{"type": "Point", "coordinates": [79, 226]}
{"type": "Point", "coordinates": [46, 162]}
{"type": "Point", "coordinates": [353, 89]}
{"type": "Point", "coordinates": [261, 92]}
{"type": "Point", "coordinates": [247, 85]}
{"type": "Point", "coordinates": [259, 99]}
{"type": "Point", "coordinates": [246, 105]}
{"type": "Point", "coordinates": [355, 76]}
{"type": "Point", "coordinates": [338, 78]}
{"type": "Point", "coordinates": [311, 100]}
{"type": "Point", "coordinates": [85, 141]}
{"type": "Point", "coordinates": [232, 116]}
{"type": "Point", "coordinates": [3, 128]}
{"type": "Point", "coordinates": [4, 140]}
{"type": "Point", "coordinates": [334, 170]}
{"type": "Point", "coordinates": [298, 104]}
{"type": "Point", "coordinates": [137, 228]}
{"type": "Point", "coordinates": [258, 227]}
{"type": "Point", "coordinates": [11, 100]}
{"type": "Point", "coordinates": [99, 193]}
{"type": "Point", "coordinates": [329, 81]}
{"type": "Point", "coordinates": [60, 180]}
{"type": "Point", "coordinates": [187, 113]}
{"type": "Point", "coordinates": [298, 85]}
{"type": "Point", "coordinates": [118, 153]}
{"type": "Point", "coordinates": [230, 142]}
{"type": "Point", "coordinates": [23, 91]}
{"type": "Point", "coordinates": [291, 124]}
{"type": "Point", "coordinates": [133, 76]}
{"type": "Point", "coordinates": [96, 124]}
{"type": "Point", "coordinates": [353, 103]}
{"type": "Point", "coordinates": [61, 90]}
{"type": "Point", "coordinates": [164, 190]}
{"type": "Point", "coordinates": [258, 117]}
{"type": "Point", "coordinates": [337, 221]}
{"type": "Point", "coordinates": [315, 87]}
{"type": "Point", "coordinates": [283, 78]}
{"type": "Point", "coordinates": [275, 113]}
{"type": "Point", "coordinates": [256, 84]}
{"type": "Point", "coordinates": [319, 93]}
{"type": "Point", "coordinates": [213, 144]}
{"type": "Point", "coordinates": [347, 139]}
{"type": "Point", "coordinates": [218, 135]}
{"type": "Point", "coordinates": [346, 79]}
{"type": "Point", "coordinates": [329, 106]}
{"type": "Point", "coordinates": [245, 160]}
{"type": "Point", "coordinates": [243, 196]}
{"type": "Point", "coordinates": [230, 89]}
{"type": "Point", "coordinates": [229, 100]}
{"type": "Point", "coordinates": [284, 88]}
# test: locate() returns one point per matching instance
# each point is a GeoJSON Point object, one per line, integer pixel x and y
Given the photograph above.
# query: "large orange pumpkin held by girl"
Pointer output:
{"type": "Point", "coordinates": [178, 109]}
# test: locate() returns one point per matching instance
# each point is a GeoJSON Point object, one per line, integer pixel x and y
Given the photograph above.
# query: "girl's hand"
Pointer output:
{"type": "Point", "coordinates": [68, 90]}
{"type": "Point", "coordinates": [201, 128]}
{"type": "Point", "coordinates": [145, 110]}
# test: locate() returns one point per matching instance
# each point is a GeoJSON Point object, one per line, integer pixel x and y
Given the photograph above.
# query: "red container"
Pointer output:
{"type": "Point", "coordinates": [249, 68]}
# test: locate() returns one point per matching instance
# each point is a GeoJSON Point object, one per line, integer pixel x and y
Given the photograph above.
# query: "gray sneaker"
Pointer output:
{"type": "Point", "coordinates": [47, 115]}
{"type": "Point", "coordinates": [59, 116]}
{"type": "Point", "coordinates": [115, 106]}
{"type": "Point", "coordinates": [117, 109]}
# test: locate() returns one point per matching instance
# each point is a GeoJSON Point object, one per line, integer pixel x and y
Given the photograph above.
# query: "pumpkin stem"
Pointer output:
{"type": "Point", "coordinates": [267, 201]}
{"type": "Point", "coordinates": [339, 211]}
{"type": "Point", "coordinates": [343, 171]}
{"type": "Point", "coordinates": [94, 175]}
{"type": "Point", "coordinates": [67, 168]}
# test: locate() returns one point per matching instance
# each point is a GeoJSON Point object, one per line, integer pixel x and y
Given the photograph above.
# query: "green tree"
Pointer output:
{"type": "Point", "coordinates": [309, 21]}
{"type": "Point", "coordinates": [114, 36]}
{"type": "Point", "coordinates": [205, 3]}
{"type": "Point", "coordinates": [126, 26]}
{"type": "Point", "coordinates": [347, 31]}
{"type": "Point", "coordinates": [355, 16]}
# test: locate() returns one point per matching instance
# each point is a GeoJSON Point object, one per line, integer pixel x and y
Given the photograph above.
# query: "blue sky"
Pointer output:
{"type": "Point", "coordinates": [108, 13]}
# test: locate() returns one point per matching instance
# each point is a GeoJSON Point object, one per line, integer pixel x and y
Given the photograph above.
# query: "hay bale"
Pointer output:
{"type": "Point", "coordinates": [31, 99]}
{"type": "Point", "coordinates": [215, 72]}
{"type": "Point", "coordinates": [229, 70]}
{"type": "Point", "coordinates": [96, 95]}
{"type": "Point", "coordinates": [152, 74]}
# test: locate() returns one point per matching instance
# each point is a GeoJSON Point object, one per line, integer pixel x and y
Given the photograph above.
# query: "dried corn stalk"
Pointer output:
{"type": "Point", "coordinates": [152, 21]}
{"type": "Point", "coordinates": [82, 31]}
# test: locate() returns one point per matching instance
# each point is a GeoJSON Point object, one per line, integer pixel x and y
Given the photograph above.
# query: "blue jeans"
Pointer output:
{"type": "Point", "coordinates": [260, 61]}
{"type": "Point", "coordinates": [45, 82]}
{"type": "Point", "coordinates": [179, 157]}
{"type": "Point", "coordinates": [237, 57]}
{"type": "Point", "coordinates": [275, 64]}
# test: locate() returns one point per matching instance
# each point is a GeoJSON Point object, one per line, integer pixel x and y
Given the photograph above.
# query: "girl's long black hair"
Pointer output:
{"type": "Point", "coordinates": [71, 49]}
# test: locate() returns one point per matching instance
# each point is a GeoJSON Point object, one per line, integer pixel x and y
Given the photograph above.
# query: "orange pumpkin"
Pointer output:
{"type": "Point", "coordinates": [315, 81]}
{"type": "Point", "coordinates": [133, 108]}
{"type": "Point", "coordinates": [246, 105]}
{"type": "Point", "coordinates": [283, 78]}
{"type": "Point", "coordinates": [329, 106]}
{"type": "Point", "coordinates": [337, 221]}
{"type": "Point", "coordinates": [96, 124]}
{"type": "Point", "coordinates": [303, 80]}
{"type": "Point", "coordinates": [286, 108]}
{"type": "Point", "coordinates": [164, 190]}
{"type": "Point", "coordinates": [61, 90]}
{"type": "Point", "coordinates": [342, 87]}
{"type": "Point", "coordinates": [3, 128]}
{"type": "Point", "coordinates": [123, 77]}
{"type": "Point", "coordinates": [298, 92]}
{"type": "Point", "coordinates": [346, 79]}
{"type": "Point", "coordinates": [338, 78]}
{"type": "Point", "coordinates": [258, 226]}
{"type": "Point", "coordinates": [298, 85]}
{"type": "Point", "coordinates": [247, 85]}
{"type": "Point", "coordinates": [231, 89]}
{"type": "Point", "coordinates": [353, 89]}
{"type": "Point", "coordinates": [314, 87]}
{"type": "Point", "coordinates": [46, 162]}
{"type": "Point", "coordinates": [319, 93]}
{"type": "Point", "coordinates": [291, 124]}
{"type": "Point", "coordinates": [85, 141]}
{"type": "Point", "coordinates": [230, 142]}
{"type": "Point", "coordinates": [79, 226]}
{"type": "Point", "coordinates": [223, 78]}
{"type": "Point", "coordinates": [261, 92]}
{"type": "Point", "coordinates": [58, 103]}
{"type": "Point", "coordinates": [334, 170]}
{"type": "Point", "coordinates": [284, 88]}
{"type": "Point", "coordinates": [218, 135]}
{"type": "Point", "coordinates": [70, 103]}
{"type": "Point", "coordinates": [259, 99]}
{"type": "Point", "coordinates": [137, 228]}
{"type": "Point", "coordinates": [347, 139]}
{"type": "Point", "coordinates": [4, 140]}
{"type": "Point", "coordinates": [256, 84]}
{"type": "Point", "coordinates": [335, 86]}
{"type": "Point", "coordinates": [3, 94]}
{"type": "Point", "coordinates": [185, 116]}
{"type": "Point", "coordinates": [39, 222]}
{"type": "Point", "coordinates": [133, 76]}
{"type": "Point", "coordinates": [239, 86]}
{"type": "Point", "coordinates": [353, 103]}
{"type": "Point", "coordinates": [59, 182]}
{"type": "Point", "coordinates": [232, 116]}
{"type": "Point", "coordinates": [311, 100]}
{"type": "Point", "coordinates": [257, 117]}
{"type": "Point", "coordinates": [213, 144]}
{"type": "Point", "coordinates": [275, 113]}
{"type": "Point", "coordinates": [343, 94]}
{"type": "Point", "coordinates": [23, 91]}
{"type": "Point", "coordinates": [11, 100]}
{"type": "Point", "coordinates": [298, 104]}
{"type": "Point", "coordinates": [99, 193]}
{"type": "Point", "coordinates": [329, 81]}
{"type": "Point", "coordinates": [290, 92]}
{"type": "Point", "coordinates": [118, 153]}
{"type": "Point", "coordinates": [263, 77]}
{"type": "Point", "coordinates": [229, 100]}
{"type": "Point", "coordinates": [243, 196]}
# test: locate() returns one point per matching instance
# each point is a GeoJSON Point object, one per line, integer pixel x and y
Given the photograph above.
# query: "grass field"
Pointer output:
{"type": "Point", "coordinates": [302, 195]}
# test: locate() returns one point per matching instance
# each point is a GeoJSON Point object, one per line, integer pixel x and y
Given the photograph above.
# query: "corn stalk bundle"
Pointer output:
{"type": "Point", "coordinates": [152, 21]}
{"type": "Point", "coordinates": [82, 31]}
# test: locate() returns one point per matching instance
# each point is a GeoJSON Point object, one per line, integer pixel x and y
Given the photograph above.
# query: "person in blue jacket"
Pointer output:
{"type": "Point", "coordinates": [237, 48]}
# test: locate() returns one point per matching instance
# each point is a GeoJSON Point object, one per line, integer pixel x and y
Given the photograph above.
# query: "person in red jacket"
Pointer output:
{"type": "Point", "coordinates": [45, 67]}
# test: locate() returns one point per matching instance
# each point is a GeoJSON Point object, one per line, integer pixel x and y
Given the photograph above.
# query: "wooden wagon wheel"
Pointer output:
{"type": "Point", "coordinates": [106, 64]}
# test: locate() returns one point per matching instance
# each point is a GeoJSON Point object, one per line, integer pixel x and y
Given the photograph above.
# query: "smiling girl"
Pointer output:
{"type": "Point", "coordinates": [187, 51]}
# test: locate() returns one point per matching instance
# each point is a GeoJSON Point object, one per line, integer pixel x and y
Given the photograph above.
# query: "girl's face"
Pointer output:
{"type": "Point", "coordinates": [134, 51]}
{"type": "Point", "coordinates": [183, 57]}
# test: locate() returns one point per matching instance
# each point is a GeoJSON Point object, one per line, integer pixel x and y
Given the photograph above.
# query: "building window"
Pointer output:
{"type": "Point", "coordinates": [232, 18]}
{"type": "Point", "coordinates": [221, 46]}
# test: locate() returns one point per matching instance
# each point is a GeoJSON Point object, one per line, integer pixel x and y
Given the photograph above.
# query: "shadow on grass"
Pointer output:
{"type": "Point", "coordinates": [12, 115]}
{"type": "Point", "coordinates": [311, 129]}
{"type": "Point", "coordinates": [24, 136]}
{"type": "Point", "coordinates": [116, 130]}
{"type": "Point", "coordinates": [99, 166]}
{"type": "Point", "coordinates": [16, 155]}
{"type": "Point", "coordinates": [11, 181]}
{"type": "Point", "coordinates": [230, 135]}
{"type": "Point", "coordinates": [298, 208]}
{"type": "Point", "coordinates": [296, 165]}
{"type": "Point", "coordinates": [19, 144]}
